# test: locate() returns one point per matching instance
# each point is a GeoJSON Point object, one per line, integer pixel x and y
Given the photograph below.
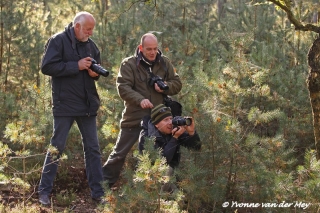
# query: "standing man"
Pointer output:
{"type": "Point", "coordinates": [67, 59]}
{"type": "Point", "coordinates": [139, 94]}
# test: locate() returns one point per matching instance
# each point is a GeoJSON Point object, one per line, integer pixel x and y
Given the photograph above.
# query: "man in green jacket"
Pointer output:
{"type": "Point", "coordinates": [137, 85]}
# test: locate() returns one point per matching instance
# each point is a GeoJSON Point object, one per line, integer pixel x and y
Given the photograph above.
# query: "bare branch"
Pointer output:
{"type": "Point", "coordinates": [297, 24]}
{"type": "Point", "coordinates": [136, 2]}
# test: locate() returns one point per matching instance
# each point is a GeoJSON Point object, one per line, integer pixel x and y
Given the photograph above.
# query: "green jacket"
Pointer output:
{"type": "Point", "coordinates": [133, 87]}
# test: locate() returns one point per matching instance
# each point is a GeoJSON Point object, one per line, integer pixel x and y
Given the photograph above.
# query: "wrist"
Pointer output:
{"type": "Point", "coordinates": [191, 133]}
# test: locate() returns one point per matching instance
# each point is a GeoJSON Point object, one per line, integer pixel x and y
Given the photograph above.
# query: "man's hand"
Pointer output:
{"type": "Point", "coordinates": [92, 73]}
{"type": "Point", "coordinates": [145, 104]}
{"type": "Point", "coordinates": [157, 88]}
{"type": "Point", "coordinates": [84, 63]}
{"type": "Point", "coordinates": [191, 128]}
{"type": "Point", "coordinates": [177, 131]}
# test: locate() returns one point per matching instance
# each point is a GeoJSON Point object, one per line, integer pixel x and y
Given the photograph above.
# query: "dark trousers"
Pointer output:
{"type": "Point", "coordinates": [92, 155]}
{"type": "Point", "coordinates": [113, 166]}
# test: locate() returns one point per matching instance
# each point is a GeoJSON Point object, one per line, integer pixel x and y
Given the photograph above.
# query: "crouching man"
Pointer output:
{"type": "Point", "coordinates": [170, 133]}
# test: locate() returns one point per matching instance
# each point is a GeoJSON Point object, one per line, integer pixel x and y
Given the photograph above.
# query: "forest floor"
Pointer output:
{"type": "Point", "coordinates": [71, 193]}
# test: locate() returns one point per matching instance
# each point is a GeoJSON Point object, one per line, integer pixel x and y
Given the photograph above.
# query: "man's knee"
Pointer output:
{"type": "Point", "coordinates": [115, 159]}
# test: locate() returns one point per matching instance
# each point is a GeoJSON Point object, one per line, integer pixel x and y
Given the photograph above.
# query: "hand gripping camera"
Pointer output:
{"type": "Point", "coordinates": [158, 80]}
{"type": "Point", "coordinates": [181, 121]}
{"type": "Point", "coordinates": [98, 69]}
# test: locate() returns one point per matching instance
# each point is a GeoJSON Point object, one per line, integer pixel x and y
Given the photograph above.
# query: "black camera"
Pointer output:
{"type": "Point", "coordinates": [181, 121]}
{"type": "Point", "coordinates": [158, 80]}
{"type": "Point", "coordinates": [98, 69]}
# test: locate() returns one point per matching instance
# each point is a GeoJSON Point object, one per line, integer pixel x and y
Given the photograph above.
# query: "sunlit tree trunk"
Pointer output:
{"type": "Point", "coordinates": [1, 45]}
{"type": "Point", "coordinates": [314, 89]}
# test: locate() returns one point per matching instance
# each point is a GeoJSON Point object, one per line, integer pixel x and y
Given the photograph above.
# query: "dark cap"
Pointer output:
{"type": "Point", "coordinates": [160, 112]}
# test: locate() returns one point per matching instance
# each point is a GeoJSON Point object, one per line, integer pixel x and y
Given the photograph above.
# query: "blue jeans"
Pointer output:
{"type": "Point", "coordinates": [92, 155]}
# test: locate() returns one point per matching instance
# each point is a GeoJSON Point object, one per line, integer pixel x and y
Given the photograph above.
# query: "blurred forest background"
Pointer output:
{"type": "Point", "coordinates": [244, 70]}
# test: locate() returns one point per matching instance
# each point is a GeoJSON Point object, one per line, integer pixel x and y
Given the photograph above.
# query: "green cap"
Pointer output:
{"type": "Point", "coordinates": [160, 112]}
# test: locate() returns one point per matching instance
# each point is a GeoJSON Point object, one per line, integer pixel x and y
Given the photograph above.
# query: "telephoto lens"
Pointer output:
{"type": "Point", "coordinates": [181, 121]}
{"type": "Point", "coordinates": [98, 69]}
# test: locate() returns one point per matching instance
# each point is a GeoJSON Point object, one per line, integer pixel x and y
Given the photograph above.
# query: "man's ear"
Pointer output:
{"type": "Point", "coordinates": [140, 47]}
{"type": "Point", "coordinates": [77, 26]}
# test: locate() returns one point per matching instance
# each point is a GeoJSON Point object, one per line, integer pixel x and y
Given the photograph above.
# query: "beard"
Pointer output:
{"type": "Point", "coordinates": [83, 37]}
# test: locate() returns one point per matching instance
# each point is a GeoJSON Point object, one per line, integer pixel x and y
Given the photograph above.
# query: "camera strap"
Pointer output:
{"type": "Point", "coordinates": [159, 58]}
{"type": "Point", "coordinates": [149, 71]}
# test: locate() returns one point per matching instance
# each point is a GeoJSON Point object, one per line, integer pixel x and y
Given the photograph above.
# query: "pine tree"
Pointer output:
{"type": "Point", "coordinates": [243, 70]}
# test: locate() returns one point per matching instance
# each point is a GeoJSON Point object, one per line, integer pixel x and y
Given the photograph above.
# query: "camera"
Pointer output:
{"type": "Point", "coordinates": [159, 81]}
{"type": "Point", "coordinates": [181, 121]}
{"type": "Point", "coordinates": [98, 69]}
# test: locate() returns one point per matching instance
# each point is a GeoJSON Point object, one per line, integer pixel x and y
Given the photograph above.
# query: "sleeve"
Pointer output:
{"type": "Point", "coordinates": [52, 61]}
{"type": "Point", "coordinates": [168, 149]}
{"type": "Point", "coordinates": [192, 142]}
{"type": "Point", "coordinates": [143, 132]}
{"type": "Point", "coordinates": [125, 83]}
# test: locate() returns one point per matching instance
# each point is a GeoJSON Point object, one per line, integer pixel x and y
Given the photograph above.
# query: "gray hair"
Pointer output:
{"type": "Point", "coordinates": [80, 17]}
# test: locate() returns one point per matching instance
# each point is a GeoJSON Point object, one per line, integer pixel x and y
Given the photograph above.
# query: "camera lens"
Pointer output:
{"type": "Point", "coordinates": [162, 85]}
{"type": "Point", "coordinates": [98, 69]}
{"type": "Point", "coordinates": [188, 121]}
{"type": "Point", "coordinates": [181, 121]}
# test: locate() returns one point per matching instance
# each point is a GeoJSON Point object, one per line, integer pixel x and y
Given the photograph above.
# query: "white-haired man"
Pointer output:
{"type": "Point", "coordinates": [67, 59]}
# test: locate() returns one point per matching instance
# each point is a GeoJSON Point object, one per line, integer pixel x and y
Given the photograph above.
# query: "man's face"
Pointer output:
{"type": "Point", "coordinates": [165, 125]}
{"type": "Point", "coordinates": [84, 31]}
{"type": "Point", "coordinates": [149, 48]}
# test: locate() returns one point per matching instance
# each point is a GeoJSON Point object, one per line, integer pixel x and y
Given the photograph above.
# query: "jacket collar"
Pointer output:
{"type": "Point", "coordinates": [152, 130]}
{"type": "Point", "coordinates": [139, 57]}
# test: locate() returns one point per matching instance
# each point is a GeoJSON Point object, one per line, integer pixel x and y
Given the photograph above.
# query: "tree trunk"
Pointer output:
{"type": "Point", "coordinates": [221, 8]}
{"type": "Point", "coordinates": [313, 82]}
{"type": "Point", "coordinates": [2, 40]}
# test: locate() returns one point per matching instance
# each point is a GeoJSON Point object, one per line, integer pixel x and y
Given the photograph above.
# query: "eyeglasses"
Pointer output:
{"type": "Point", "coordinates": [165, 109]}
